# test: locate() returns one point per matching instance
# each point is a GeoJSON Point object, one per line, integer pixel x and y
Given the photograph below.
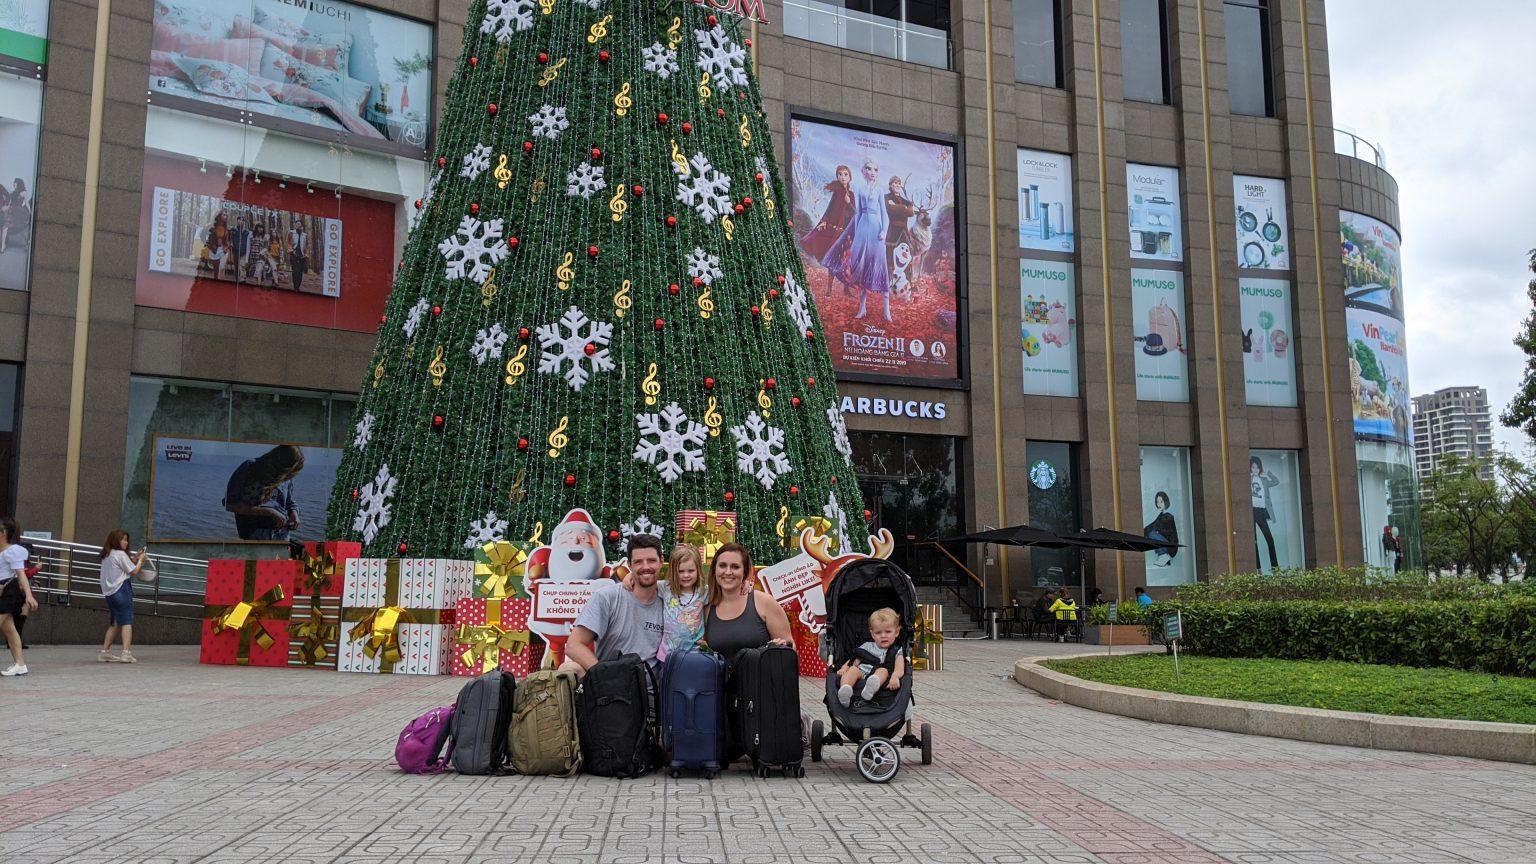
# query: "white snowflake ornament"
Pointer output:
{"type": "Point", "coordinates": [760, 450]}
{"type": "Point", "coordinates": [641, 525]}
{"type": "Point", "coordinates": [373, 515]}
{"type": "Point", "coordinates": [488, 342]}
{"type": "Point", "coordinates": [705, 189]}
{"type": "Point", "coordinates": [565, 342]}
{"type": "Point", "coordinates": [505, 17]}
{"type": "Point", "coordinates": [487, 530]}
{"type": "Point", "coordinates": [834, 513]}
{"type": "Point", "coordinates": [549, 122]}
{"type": "Point", "coordinates": [671, 442]}
{"type": "Point", "coordinates": [797, 301]}
{"type": "Point", "coordinates": [364, 432]}
{"type": "Point", "coordinates": [585, 181]}
{"type": "Point", "coordinates": [413, 318]}
{"type": "Point", "coordinates": [594, 5]}
{"type": "Point", "coordinates": [476, 162]}
{"type": "Point", "coordinates": [704, 266]}
{"type": "Point", "coordinates": [723, 59]}
{"type": "Point", "coordinates": [475, 250]}
{"type": "Point", "coordinates": [839, 432]}
{"type": "Point", "coordinates": [660, 59]}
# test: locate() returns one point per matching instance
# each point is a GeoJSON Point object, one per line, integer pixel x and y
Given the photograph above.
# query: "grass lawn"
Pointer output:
{"type": "Point", "coordinates": [1400, 690]}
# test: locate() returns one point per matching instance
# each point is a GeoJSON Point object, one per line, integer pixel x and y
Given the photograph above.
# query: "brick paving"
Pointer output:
{"type": "Point", "coordinates": [169, 761]}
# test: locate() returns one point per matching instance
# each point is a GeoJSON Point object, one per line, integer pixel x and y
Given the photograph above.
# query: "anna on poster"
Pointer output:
{"type": "Point", "coordinates": [835, 218]}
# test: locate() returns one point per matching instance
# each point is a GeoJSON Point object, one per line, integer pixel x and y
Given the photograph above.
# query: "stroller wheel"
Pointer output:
{"type": "Point", "coordinates": [878, 760]}
{"type": "Point", "coordinates": [817, 731]}
{"type": "Point", "coordinates": [927, 732]}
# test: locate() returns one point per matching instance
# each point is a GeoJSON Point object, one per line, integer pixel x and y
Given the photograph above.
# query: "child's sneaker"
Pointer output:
{"type": "Point", "coordinates": [14, 671]}
{"type": "Point", "coordinates": [845, 695]}
{"type": "Point", "coordinates": [871, 687]}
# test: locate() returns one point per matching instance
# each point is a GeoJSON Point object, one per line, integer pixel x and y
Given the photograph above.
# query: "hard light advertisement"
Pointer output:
{"type": "Point", "coordinates": [328, 67]}
{"type": "Point", "coordinates": [1157, 309]}
{"type": "Point", "coordinates": [1168, 507]}
{"type": "Point", "coordinates": [1156, 223]}
{"type": "Point", "coordinates": [1269, 360]}
{"type": "Point", "coordinates": [1378, 359]}
{"type": "Point", "coordinates": [875, 218]}
{"type": "Point", "coordinates": [1048, 327]}
{"type": "Point", "coordinates": [239, 491]}
{"type": "Point", "coordinates": [1045, 201]}
{"type": "Point", "coordinates": [1263, 235]}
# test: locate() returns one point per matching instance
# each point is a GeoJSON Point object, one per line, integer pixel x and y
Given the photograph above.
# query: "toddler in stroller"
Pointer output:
{"type": "Point", "coordinates": [879, 662]}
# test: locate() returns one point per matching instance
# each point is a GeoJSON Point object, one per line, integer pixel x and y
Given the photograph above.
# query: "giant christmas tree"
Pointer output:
{"type": "Point", "coordinates": [600, 304]}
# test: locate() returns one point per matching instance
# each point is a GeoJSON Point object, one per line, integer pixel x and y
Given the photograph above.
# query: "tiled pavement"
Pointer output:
{"type": "Point", "coordinates": [168, 761]}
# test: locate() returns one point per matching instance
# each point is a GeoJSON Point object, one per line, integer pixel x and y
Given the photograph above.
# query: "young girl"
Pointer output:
{"type": "Point", "coordinates": [684, 594]}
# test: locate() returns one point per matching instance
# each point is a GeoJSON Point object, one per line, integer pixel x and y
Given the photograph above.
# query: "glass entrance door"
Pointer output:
{"type": "Point", "coordinates": [911, 487]}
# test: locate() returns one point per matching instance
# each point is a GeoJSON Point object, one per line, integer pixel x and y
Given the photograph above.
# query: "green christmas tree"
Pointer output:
{"type": "Point", "coordinates": [600, 304]}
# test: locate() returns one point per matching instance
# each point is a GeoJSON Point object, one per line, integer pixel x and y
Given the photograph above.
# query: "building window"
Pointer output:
{"type": "Point", "coordinates": [1249, 88]}
{"type": "Point", "coordinates": [1036, 42]}
{"type": "Point", "coordinates": [1144, 50]}
{"type": "Point", "coordinates": [10, 404]}
{"type": "Point", "coordinates": [916, 31]}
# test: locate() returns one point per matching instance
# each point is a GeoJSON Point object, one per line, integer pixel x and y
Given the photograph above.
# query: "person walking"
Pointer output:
{"type": "Point", "coordinates": [15, 593]}
{"type": "Point", "coordinates": [118, 568]}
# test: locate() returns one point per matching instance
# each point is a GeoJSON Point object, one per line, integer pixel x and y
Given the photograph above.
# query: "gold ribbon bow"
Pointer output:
{"type": "Point", "coordinates": [318, 571]}
{"type": "Point", "coordinates": [820, 526]}
{"type": "Point", "coordinates": [380, 626]}
{"type": "Point", "coordinates": [710, 532]}
{"type": "Point", "coordinates": [925, 634]}
{"type": "Point", "coordinates": [249, 616]}
{"type": "Point", "coordinates": [500, 569]}
{"type": "Point", "coordinates": [316, 634]}
{"type": "Point", "coordinates": [482, 646]}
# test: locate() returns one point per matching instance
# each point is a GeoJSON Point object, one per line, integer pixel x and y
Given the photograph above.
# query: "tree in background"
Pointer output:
{"type": "Point", "coordinates": [600, 304]}
{"type": "Point", "coordinates": [1521, 413]}
{"type": "Point", "coordinates": [1476, 524]}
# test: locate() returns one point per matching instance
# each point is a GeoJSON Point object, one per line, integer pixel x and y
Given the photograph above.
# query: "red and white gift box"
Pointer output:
{"type": "Point", "coordinates": [401, 606]}
{"type": "Point", "coordinates": [246, 609]}
{"type": "Point", "coordinates": [325, 566]}
{"type": "Point", "coordinates": [506, 615]}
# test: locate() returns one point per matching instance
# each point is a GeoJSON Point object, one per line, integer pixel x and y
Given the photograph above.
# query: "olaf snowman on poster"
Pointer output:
{"type": "Point", "coordinates": [563, 576]}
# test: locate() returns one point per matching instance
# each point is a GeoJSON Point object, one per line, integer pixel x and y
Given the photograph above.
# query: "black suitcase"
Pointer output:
{"type": "Point", "coordinates": [616, 718]}
{"type": "Point", "coordinates": [765, 706]}
{"type": "Point", "coordinates": [480, 718]}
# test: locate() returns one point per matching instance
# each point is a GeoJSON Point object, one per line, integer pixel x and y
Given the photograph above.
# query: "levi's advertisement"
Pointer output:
{"type": "Point", "coordinates": [1045, 201]}
{"type": "Point", "coordinates": [208, 491]}
{"type": "Point", "coordinates": [225, 245]}
{"type": "Point", "coordinates": [1157, 309]}
{"type": "Point", "coordinates": [1152, 193]}
{"type": "Point", "coordinates": [1269, 361]}
{"type": "Point", "coordinates": [1048, 327]}
{"type": "Point", "coordinates": [875, 218]}
{"type": "Point", "coordinates": [1263, 241]}
{"type": "Point", "coordinates": [1373, 312]}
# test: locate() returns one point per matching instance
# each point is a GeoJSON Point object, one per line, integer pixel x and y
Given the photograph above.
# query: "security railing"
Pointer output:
{"type": "Point", "coordinates": [832, 24]}
{"type": "Point", "coordinates": [67, 571]}
{"type": "Point", "coordinates": [1347, 143]}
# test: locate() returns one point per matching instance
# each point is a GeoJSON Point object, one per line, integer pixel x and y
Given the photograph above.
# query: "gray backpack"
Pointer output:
{"type": "Point", "coordinates": [479, 725]}
{"type": "Point", "coordinates": [542, 737]}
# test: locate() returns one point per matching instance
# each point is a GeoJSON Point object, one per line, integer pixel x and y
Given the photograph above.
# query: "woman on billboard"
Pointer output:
{"type": "Point", "coordinates": [857, 259]}
{"type": "Point", "coordinates": [834, 219]}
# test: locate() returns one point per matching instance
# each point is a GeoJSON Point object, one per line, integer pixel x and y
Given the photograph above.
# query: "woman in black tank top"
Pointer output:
{"type": "Point", "coordinates": [735, 620]}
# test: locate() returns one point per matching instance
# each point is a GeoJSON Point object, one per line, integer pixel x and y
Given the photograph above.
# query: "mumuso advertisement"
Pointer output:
{"type": "Point", "coordinates": [319, 67]}
{"type": "Point", "coordinates": [1045, 201]}
{"type": "Point", "coordinates": [875, 217]}
{"type": "Point", "coordinates": [239, 491]}
{"type": "Point", "coordinates": [1269, 360]}
{"type": "Point", "coordinates": [1378, 351]}
{"type": "Point", "coordinates": [1048, 327]}
{"type": "Point", "coordinates": [1263, 241]}
{"type": "Point", "coordinates": [1162, 352]}
{"type": "Point", "coordinates": [1156, 223]}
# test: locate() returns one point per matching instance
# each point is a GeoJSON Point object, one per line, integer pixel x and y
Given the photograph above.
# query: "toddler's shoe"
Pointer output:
{"type": "Point", "coordinates": [871, 687]}
{"type": "Point", "coordinates": [845, 695]}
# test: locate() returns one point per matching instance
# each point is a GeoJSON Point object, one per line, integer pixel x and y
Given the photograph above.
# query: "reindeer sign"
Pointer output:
{"type": "Point", "coordinates": [799, 584]}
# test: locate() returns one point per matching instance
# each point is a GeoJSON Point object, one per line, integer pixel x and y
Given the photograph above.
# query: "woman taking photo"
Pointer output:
{"type": "Point", "coordinates": [117, 572]}
{"type": "Point", "coordinates": [738, 617]}
{"type": "Point", "coordinates": [15, 593]}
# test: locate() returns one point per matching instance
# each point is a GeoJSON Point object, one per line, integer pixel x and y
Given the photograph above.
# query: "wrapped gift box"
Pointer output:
{"type": "Point", "coordinates": [397, 614]}
{"type": "Point", "coordinates": [706, 530]}
{"type": "Point", "coordinates": [314, 631]}
{"type": "Point", "coordinates": [928, 640]}
{"type": "Point", "coordinates": [324, 565]}
{"type": "Point", "coordinates": [246, 610]}
{"type": "Point", "coordinates": [501, 569]}
{"type": "Point", "coordinates": [492, 633]}
{"type": "Point", "coordinates": [807, 643]}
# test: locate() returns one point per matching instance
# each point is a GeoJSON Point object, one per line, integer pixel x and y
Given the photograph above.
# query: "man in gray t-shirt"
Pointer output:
{"type": "Point", "coordinates": [618, 621]}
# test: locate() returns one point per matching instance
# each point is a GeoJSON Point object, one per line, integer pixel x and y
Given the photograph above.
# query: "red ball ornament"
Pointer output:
{"type": "Point", "coordinates": [773, 293]}
{"type": "Point", "coordinates": [719, 112]}
{"type": "Point", "coordinates": [747, 42]}
{"type": "Point", "coordinates": [522, 333]}
{"type": "Point", "coordinates": [570, 479]}
{"type": "Point", "coordinates": [613, 535]}
{"type": "Point", "coordinates": [660, 323]}
{"type": "Point", "coordinates": [712, 20]}
{"type": "Point", "coordinates": [868, 515]}
{"type": "Point", "coordinates": [739, 209]}
{"type": "Point", "coordinates": [492, 109]}
{"type": "Point", "coordinates": [602, 56]}
{"type": "Point", "coordinates": [661, 119]}
{"type": "Point", "coordinates": [730, 497]}
{"type": "Point", "coordinates": [437, 311]}
{"type": "Point", "coordinates": [834, 479]}
{"type": "Point", "coordinates": [592, 251]}
{"type": "Point", "coordinates": [794, 490]}
{"type": "Point", "coordinates": [810, 382]}
{"type": "Point", "coordinates": [794, 402]}
{"type": "Point", "coordinates": [512, 242]}
{"type": "Point", "coordinates": [522, 443]}
{"type": "Point", "coordinates": [527, 146]}
{"type": "Point", "coordinates": [687, 128]}
{"type": "Point", "coordinates": [674, 289]}
{"type": "Point", "coordinates": [383, 319]}
{"type": "Point", "coordinates": [698, 282]}
{"type": "Point", "coordinates": [779, 279]}
{"type": "Point", "coordinates": [474, 209]}
{"type": "Point", "coordinates": [402, 547]}
{"type": "Point", "coordinates": [810, 336]}
{"type": "Point", "coordinates": [473, 62]}
{"type": "Point", "coordinates": [709, 382]}
{"type": "Point", "coordinates": [747, 201]}
{"type": "Point", "coordinates": [418, 203]}
{"type": "Point", "coordinates": [590, 348]}
{"type": "Point", "coordinates": [671, 221]}
{"type": "Point", "coordinates": [543, 58]}
{"type": "Point", "coordinates": [758, 176]}
{"type": "Point", "coordinates": [637, 190]}
{"type": "Point", "coordinates": [597, 153]}
{"type": "Point", "coordinates": [437, 421]}
{"type": "Point", "coordinates": [356, 494]}
{"type": "Point", "coordinates": [441, 161]}
{"type": "Point", "coordinates": [756, 310]}
{"type": "Point", "coordinates": [771, 384]}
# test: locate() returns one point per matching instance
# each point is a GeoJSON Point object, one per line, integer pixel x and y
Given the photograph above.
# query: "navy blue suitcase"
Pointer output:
{"type": "Point", "coordinates": [693, 711]}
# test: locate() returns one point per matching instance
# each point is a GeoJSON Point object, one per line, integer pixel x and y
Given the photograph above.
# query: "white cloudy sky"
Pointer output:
{"type": "Point", "coordinates": [1448, 90]}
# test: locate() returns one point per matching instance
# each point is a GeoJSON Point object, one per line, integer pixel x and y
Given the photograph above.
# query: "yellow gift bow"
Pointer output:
{"type": "Point", "coordinates": [315, 633]}
{"type": "Point", "coordinates": [318, 572]}
{"type": "Point", "coordinates": [482, 646]}
{"type": "Point", "coordinates": [709, 533]}
{"type": "Point", "coordinates": [380, 626]}
{"type": "Point", "coordinates": [820, 526]}
{"type": "Point", "coordinates": [248, 616]}
{"type": "Point", "coordinates": [925, 635]}
{"type": "Point", "coordinates": [500, 570]}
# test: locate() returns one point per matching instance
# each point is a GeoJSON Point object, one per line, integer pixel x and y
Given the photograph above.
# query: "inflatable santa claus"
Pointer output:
{"type": "Point", "coordinates": [562, 576]}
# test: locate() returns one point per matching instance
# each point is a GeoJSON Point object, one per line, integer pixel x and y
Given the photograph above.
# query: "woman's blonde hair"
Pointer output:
{"type": "Point", "coordinates": [684, 553]}
{"type": "Point", "coordinates": [886, 616]}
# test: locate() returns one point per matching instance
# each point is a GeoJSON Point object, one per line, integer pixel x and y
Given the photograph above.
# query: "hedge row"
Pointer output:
{"type": "Point", "coordinates": [1494, 636]}
{"type": "Point", "coordinates": [1351, 583]}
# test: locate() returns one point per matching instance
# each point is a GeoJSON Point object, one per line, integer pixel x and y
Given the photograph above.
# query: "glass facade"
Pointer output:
{"type": "Point", "coordinates": [1167, 505]}
{"type": "Point", "coordinates": [916, 31]}
{"type": "Point", "coordinates": [1274, 480]}
{"type": "Point", "coordinates": [911, 486]}
{"type": "Point", "coordinates": [1249, 86]}
{"type": "Point", "coordinates": [1055, 502]}
{"type": "Point", "coordinates": [1036, 42]}
{"type": "Point", "coordinates": [1144, 50]}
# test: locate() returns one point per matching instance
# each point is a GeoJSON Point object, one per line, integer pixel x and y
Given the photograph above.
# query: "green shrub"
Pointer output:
{"type": "Point", "coordinates": [1131, 613]}
{"type": "Point", "coordinates": [1352, 583]}
{"type": "Point", "coordinates": [1497, 636]}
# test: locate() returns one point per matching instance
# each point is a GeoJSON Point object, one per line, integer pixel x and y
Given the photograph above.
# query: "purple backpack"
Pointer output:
{"type": "Point", "coordinates": [420, 748]}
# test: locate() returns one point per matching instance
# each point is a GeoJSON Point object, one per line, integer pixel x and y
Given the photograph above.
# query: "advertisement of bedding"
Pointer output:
{"type": "Point", "coordinates": [1167, 507]}
{"type": "Point", "coordinates": [1274, 479]}
{"type": "Point", "coordinates": [1157, 232]}
{"type": "Point", "coordinates": [1263, 236]}
{"type": "Point", "coordinates": [1373, 300]}
{"type": "Point", "coordinates": [1048, 327]}
{"type": "Point", "coordinates": [1269, 361]}
{"type": "Point", "coordinates": [874, 216]}
{"type": "Point", "coordinates": [239, 491]}
{"type": "Point", "coordinates": [1157, 310]}
{"type": "Point", "coordinates": [1045, 201]}
{"type": "Point", "coordinates": [323, 67]}
{"type": "Point", "coordinates": [24, 30]}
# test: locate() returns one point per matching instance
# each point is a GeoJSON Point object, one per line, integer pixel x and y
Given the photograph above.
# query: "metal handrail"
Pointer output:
{"type": "Point", "coordinates": [68, 570]}
{"type": "Point", "coordinates": [1347, 143]}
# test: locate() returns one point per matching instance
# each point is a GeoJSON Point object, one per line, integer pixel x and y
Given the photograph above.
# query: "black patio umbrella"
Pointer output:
{"type": "Point", "coordinates": [1120, 541]}
{"type": "Point", "coordinates": [1017, 535]}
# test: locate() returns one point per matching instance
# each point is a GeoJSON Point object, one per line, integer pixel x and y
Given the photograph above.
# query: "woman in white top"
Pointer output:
{"type": "Point", "coordinates": [117, 572]}
{"type": "Point", "coordinates": [15, 592]}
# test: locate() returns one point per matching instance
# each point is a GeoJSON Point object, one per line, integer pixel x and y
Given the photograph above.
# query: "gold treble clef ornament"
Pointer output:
{"type": "Point", "coordinates": [704, 91]}
{"type": "Point", "coordinates": [622, 301]}
{"type": "Point", "coordinates": [650, 386]}
{"type": "Point", "coordinates": [617, 205]}
{"type": "Point", "coordinates": [564, 273]}
{"type": "Point", "coordinates": [558, 439]}
{"type": "Point", "coordinates": [746, 132]}
{"type": "Point", "coordinates": [712, 418]}
{"type": "Point", "coordinates": [623, 102]}
{"type": "Point", "coordinates": [705, 304]}
{"type": "Point", "coordinates": [437, 369]}
{"type": "Point", "coordinates": [597, 31]}
{"type": "Point", "coordinates": [675, 34]}
{"type": "Point", "coordinates": [515, 366]}
{"type": "Point", "coordinates": [502, 172]}
{"type": "Point", "coordinates": [489, 290]}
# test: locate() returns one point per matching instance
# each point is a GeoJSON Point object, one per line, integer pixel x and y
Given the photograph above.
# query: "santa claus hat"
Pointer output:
{"type": "Point", "coordinates": [576, 520]}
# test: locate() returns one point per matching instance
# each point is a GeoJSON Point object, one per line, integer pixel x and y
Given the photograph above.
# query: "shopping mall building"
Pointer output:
{"type": "Point", "coordinates": [1137, 283]}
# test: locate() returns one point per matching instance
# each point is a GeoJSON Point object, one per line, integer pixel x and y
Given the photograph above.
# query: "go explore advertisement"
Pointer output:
{"type": "Point", "coordinates": [875, 219]}
{"type": "Point", "coordinates": [1373, 308]}
{"type": "Point", "coordinates": [209, 491]}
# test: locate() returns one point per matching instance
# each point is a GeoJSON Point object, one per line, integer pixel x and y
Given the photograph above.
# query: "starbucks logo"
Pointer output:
{"type": "Point", "coordinates": [1042, 474]}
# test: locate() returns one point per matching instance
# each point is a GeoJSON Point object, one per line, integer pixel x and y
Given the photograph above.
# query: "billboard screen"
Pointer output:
{"type": "Point", "coordinates": [239, 491]}
{"type": "Point", "coordinates": [1263, 235]}
{"type": "Point", "coordinates": [1378, 350]}
{"type": "Point", "coordinates": [1045, 202]}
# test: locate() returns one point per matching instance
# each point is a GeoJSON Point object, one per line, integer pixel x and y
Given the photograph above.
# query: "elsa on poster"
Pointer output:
{"type": "Point", "coordinates": [857, 259]}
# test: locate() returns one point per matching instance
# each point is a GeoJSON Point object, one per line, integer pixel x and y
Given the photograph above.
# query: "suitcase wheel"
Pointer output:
{"type": "Point", "coordinates": [674, 773]}
{"type": "Point", "coordinates": [710, 773]}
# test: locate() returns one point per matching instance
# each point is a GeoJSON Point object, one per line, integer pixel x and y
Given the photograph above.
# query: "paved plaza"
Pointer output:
{"type": "Point", "coordinates": [169, 761]}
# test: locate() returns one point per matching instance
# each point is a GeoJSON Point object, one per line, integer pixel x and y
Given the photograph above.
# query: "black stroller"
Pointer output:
{"type": "Point", "coordinates": [880, 727]}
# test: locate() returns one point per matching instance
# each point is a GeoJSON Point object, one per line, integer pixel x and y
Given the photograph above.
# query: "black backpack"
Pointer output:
{"type": "Point", "coordinates": [616, 718]}
{"type": "Point", "coordinates": [480, 719]}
